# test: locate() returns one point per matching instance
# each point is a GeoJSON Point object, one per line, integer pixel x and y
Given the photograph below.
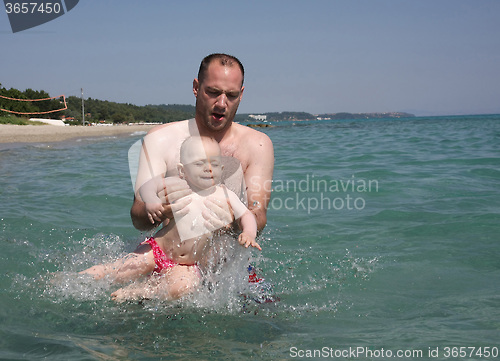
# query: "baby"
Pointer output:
{"type": "Point", "coordinates": [178, 251]}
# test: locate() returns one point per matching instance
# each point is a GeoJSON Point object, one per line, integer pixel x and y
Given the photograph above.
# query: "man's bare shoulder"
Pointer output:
{"type": "Point", "coordinates": [167, 127]}
{"type": "Point", "coordinates": [164, 132]}
{"type": "Point", "coordinates": [254, 147]}
{"type": "Point", "coordinates": [252, 137]}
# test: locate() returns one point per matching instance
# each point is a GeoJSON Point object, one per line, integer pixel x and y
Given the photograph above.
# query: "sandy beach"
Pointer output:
{"type": "Point", "coordinates": [49, 133]}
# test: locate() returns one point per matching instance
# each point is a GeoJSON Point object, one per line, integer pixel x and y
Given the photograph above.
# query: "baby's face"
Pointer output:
{"type": "Point", "coordinates": [203, 166]}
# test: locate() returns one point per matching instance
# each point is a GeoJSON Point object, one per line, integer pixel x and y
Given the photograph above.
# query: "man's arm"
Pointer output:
{"type": "Point", "coordinates": [139, 216]}
{"type": "Point", "coordinates": [152, 163]}
{"type": "Point", "coordinates": [258, 177]}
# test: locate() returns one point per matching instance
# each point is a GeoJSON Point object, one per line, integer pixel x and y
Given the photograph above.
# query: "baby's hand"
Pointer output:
{"type": "Point", "coordinates": [246, 240]}
{"type": "Point", "coordinates": [153, 210]}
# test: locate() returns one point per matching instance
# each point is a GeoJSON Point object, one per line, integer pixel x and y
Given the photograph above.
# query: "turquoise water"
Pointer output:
{"type": "Point", "coordinates": [383, 236]}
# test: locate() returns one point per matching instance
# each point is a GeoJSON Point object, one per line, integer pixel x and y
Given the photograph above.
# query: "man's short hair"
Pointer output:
{"type": "Point", "coordinates": [224, 59]}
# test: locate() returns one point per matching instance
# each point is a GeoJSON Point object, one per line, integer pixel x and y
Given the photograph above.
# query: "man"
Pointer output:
{"type": "Point", "coordinates": [249, 153]}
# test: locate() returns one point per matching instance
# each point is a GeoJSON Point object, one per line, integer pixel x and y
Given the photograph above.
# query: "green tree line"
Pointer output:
{"type": "Point", "coordinates": [27, 107]}
{"type": "Point", "coordinates": [103, 110]}
{"type": "Point", "coordinates": [95, 110]}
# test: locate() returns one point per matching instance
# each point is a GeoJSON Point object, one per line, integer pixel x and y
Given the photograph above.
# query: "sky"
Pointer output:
{"type": "Point", "coordinates": [424, 57]}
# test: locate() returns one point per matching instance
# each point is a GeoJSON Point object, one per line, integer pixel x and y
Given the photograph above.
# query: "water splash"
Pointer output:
{"type": "Point", "coordinates": [220, 291]}
{"type": "Point", "coordinates": [300, 283]}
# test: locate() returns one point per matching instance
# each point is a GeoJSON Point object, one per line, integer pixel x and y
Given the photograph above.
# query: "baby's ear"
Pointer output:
{"type": "Point", "coordinates": [180, 170]}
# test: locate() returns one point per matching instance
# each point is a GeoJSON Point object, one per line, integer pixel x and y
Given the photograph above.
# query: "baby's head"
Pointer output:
{"type": "Point", "coordinates": [200, 162]}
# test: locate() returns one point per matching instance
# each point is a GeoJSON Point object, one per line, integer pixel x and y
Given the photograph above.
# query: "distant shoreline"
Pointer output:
{"type": "Point", "coordinates": [10, 133]}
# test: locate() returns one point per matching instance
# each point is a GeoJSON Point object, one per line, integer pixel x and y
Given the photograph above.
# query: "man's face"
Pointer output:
{"type": "Point", "coordinates": [218, 96]}
{"type": "Point", "coordinates": [203, 165]}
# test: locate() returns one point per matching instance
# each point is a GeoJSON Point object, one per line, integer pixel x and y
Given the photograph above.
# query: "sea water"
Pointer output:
{"type": "Point", "coordinates": [382, 242]}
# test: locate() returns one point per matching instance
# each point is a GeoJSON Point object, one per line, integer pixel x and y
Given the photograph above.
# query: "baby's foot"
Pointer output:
{"type": "Point", "coordinates": [125, 294]}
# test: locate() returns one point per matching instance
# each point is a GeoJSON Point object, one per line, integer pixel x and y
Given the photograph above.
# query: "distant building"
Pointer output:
{"type": "Point", "coordinates": [258, 117]}
{"type": "Point", "coordinates": [57, 122]}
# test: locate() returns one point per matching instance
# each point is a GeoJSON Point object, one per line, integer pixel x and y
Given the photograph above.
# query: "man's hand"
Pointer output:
{"type": "Point", "coordinates": [217, 215]}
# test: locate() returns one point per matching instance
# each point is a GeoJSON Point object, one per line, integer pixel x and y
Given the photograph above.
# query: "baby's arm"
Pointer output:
{"type": "Point", "coordinates": [249, 226]}
{"type": "Point", "coordinates": [149, 194]}
{"type": "Point", "coordinates": [246, 220]}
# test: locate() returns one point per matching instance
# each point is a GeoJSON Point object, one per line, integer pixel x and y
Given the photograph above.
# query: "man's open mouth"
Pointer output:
{"type": "Point", "coordinates": [218, 116]}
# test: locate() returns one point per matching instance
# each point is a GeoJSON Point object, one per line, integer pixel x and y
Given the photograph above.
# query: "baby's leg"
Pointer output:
{"type": "Point", "coordinates": [135, 291]}
{"type": "Point", "coordinates": [174, 283]}
{"type": "Point", "coordinates": [182, 280]}
{"type": "Point", "coordinates": [128, 268]}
